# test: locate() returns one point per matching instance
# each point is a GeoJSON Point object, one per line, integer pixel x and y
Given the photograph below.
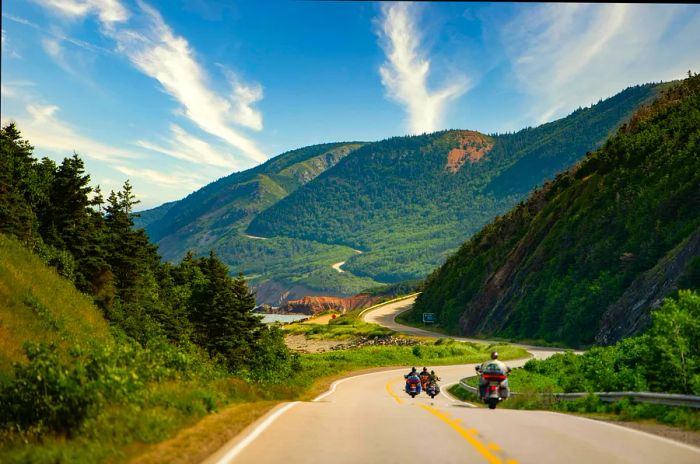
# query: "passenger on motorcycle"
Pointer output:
{"type": "Point", "coordinates": [424, 377]}
{"type": "Point", "coordinates": [433, 377]}
{"type": "Point", "coordinates": [494, 366]}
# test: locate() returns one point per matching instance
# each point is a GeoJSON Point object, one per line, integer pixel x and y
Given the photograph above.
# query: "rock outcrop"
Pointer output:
{"type": "Point", "coordinates": [630, 314]}
{"type": "Point", "coordinates": [317, 304]}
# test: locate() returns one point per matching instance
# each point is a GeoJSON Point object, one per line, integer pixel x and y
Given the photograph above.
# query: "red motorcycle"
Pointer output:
{"type": "Point", "coordinates": [491, 388]}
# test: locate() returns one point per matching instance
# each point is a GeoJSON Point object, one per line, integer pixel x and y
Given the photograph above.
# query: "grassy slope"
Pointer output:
{"type": "Point", "coordinates": [36, 304]}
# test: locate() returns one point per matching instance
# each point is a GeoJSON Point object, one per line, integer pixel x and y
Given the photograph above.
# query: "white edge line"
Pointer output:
{"type": "Point", "coordinates": [255, 433]}
{"type": "Point", "coordinates": [446, 394]}
{"type": "Point", "coordinates": [233, 452]}
{"type": "Point", "coordinates": [629, 429]}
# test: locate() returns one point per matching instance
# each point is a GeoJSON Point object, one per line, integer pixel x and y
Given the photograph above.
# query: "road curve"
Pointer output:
{"type": "Point", "coordinates": [368, 418]}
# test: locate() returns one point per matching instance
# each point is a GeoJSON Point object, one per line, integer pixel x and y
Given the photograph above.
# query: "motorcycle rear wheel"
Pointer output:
{"type": "Point", "coordinates": [492, 403]}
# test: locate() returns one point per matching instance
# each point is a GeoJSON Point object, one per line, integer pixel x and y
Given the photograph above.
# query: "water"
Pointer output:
{"type": "Point", "coordinates": [283, 318]}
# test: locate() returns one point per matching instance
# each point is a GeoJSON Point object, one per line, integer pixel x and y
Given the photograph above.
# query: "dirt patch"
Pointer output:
{"type": "Point", "coordinates": [471, 146]}
{"type": "Point", "coordinates": [301, 344]}
{"type": "Point", "coordinates": [325, 319]}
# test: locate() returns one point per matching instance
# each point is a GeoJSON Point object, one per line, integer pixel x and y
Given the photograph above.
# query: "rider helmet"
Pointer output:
{"type": "Point", "coordinates": [494, 355]}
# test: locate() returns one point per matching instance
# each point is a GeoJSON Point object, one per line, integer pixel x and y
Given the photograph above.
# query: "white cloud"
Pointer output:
{"type": "Point", "coordinates": [405, 73]}
{"type": "Point", "coordinates": [154, 49]}
{"type": "Point", "coordinates": [46, 131]}
{"type": "Point", "coordinates": [187, 147]}
{"type": "Point", "coordinates": [109, 11]}
{"type": "Point", "coordinates": [166, 179]}
{"type": "Point", "coordinates": [570, 55]}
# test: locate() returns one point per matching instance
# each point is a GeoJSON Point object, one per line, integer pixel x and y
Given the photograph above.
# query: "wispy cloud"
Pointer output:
{"type": "Point", "coordinates": [185, 146]}
{"type": "Point", "coordinates": [109, 11]}
{"type": "Point", "coordinates": [570, 55]}
{"type": "Point", "coordinates": [154, 49]}
{"type": "Point", "coordinates": [405, 73]}
{"type": "Point", "coordinates": [47, 131]}
{"type": "Point", "coordinates": [160, 54]}
{"type": "Point", "coordinates": [180, 181]}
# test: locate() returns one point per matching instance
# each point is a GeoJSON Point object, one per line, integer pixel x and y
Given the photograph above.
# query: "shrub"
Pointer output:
{"type": "Point", "coordinates": [47, 394]}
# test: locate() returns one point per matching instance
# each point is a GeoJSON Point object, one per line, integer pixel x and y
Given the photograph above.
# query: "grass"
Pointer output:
{"type": "Point", "coordinates": [340, 328]}
{"type": "Point", "coordinates": [36, 304]}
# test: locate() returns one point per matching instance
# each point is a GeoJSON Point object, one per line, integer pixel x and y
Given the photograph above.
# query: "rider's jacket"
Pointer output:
{"type": "Point", "coordinates": [494, 366]}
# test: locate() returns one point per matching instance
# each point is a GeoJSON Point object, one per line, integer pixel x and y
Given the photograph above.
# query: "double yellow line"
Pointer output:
{"type": "Point", "coordinates": [468, 434]}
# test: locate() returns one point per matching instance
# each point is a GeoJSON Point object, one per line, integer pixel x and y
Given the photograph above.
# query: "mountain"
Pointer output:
{"type": "Point", "coordinates": [586, 256]}
{"type": "Point", "coordinates": [336, 219]}
{"type": "Point", "coordinates": [215, 217]}
{"type": "Point", "coordinates": [409, 202]}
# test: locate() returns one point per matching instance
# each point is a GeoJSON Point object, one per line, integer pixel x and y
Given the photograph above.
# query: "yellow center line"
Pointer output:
{"type": "Point", "coordinates": [483, 450]}
{"type": "Point", "coordinates": [390, 391]}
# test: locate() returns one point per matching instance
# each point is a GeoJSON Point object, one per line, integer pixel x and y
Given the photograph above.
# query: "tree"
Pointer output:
{"type": "Point", "coordinates": [221, 312]}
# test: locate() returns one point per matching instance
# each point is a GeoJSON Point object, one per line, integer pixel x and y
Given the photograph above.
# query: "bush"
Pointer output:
{"type": "Point", "coordinates": [47, 394]}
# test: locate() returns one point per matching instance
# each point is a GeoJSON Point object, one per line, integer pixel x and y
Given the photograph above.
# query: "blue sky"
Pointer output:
{"type": "Point", "coordinates": [174, 94]}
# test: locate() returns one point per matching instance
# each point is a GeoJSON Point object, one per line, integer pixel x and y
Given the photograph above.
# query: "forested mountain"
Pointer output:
{"type": "Point", "coordinates": [216, 216]}
{"type": "Point", "coordinates": [408, 202]}
{"type": "Point", "coordinates": [585, 257]}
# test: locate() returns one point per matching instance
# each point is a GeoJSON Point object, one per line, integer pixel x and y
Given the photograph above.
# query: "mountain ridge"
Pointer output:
{"type": "Point", "coordinates": [550, 268]}
{"type": "Point", "coordinates": [406, 202]}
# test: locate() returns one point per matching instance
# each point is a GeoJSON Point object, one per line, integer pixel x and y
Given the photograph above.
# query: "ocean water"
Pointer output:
{"type": "Point", "coordinates": [270, 318]}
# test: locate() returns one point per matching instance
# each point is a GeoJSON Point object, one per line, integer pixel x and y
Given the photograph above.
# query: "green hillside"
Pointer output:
{"type": "Point", "coordinates": [38, 305]}
{"type": "Point", "coordinates": [216, 216]}
{"type": "Point", "coordinates": [408, 202]}
{"type": "Point", "coordinates": [620, 228]}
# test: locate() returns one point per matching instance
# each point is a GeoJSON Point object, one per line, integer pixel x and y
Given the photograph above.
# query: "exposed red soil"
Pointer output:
{"type": "Point", "coordinates": [317, 304]}
{"type": "Point", "coordinates": [471, 146]}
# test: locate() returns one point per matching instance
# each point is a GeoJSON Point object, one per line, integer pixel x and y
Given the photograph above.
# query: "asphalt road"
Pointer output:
{"type": "Point", "coordinates": [369, 419]}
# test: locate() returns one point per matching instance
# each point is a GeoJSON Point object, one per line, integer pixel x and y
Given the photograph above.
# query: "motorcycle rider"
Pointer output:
{"type": "Point", "coordinates": [412, 377]}
{"type": "Point", "coordinates": [493, 366]}
{"type": "Point", "coordinates": [433, 377]}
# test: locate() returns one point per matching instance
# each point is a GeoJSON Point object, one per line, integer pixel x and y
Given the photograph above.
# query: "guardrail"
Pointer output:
{"type": "Point", "coordinates": [667, 399]}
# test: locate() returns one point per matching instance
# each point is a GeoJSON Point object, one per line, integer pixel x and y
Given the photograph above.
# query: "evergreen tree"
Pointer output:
{"type": "Point", "coordinates": [16, 161]}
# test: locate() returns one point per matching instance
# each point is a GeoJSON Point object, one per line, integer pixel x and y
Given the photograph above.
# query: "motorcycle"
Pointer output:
{"type": "Point", "coordinates": [492, 389]}
{"type": "Point", "coordinates": [432, 389]}
{"type": "Point", "coordinates": [413, 387]}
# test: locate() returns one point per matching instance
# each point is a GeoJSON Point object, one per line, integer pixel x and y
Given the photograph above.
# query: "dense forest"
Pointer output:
{"type": "Point", "coordinates": [623, 222]}
{"type": "Point", "coordinates": [55, 212]}
{"type": "Point", "coordinates": [407, 208]}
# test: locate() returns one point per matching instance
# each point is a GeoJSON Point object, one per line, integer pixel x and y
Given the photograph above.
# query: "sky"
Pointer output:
{"type": "Point", "coordinates": [174, 94]}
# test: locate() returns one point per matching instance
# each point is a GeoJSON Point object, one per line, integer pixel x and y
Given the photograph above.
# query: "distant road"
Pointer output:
{"type": "Point", "coordinates": [369, 419]}
{"type": "Point", "coordinates": [336, 266]}
{"type": "Point", "coordinates": [253, 237]}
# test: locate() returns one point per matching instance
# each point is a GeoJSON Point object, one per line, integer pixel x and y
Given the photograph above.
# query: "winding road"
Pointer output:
{"type": "Point", "coordinates": [368, 419]}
